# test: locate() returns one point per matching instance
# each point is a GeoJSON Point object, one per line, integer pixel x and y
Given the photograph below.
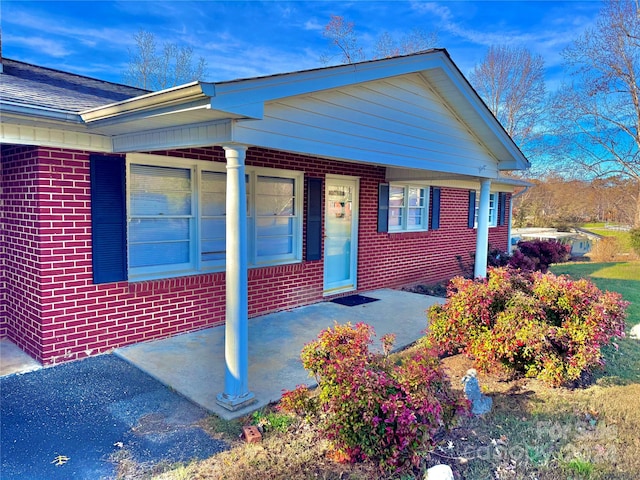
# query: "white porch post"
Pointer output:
{"type": "Point", "coordinates": [236, 349]}
{"type": "Point", "coordinates": [482, 240]}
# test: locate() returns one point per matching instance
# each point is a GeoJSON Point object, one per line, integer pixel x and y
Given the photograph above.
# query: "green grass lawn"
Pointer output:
{"type": "Point", "coordinates": [623, 278]}
{"type": "Point", "coordinates": [624, 238]}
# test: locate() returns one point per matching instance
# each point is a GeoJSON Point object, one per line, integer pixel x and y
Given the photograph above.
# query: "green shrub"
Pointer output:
{"type": "Point", "coordinates": [369, 407]}
{"type": "Point", "coordinates": [544, 326]}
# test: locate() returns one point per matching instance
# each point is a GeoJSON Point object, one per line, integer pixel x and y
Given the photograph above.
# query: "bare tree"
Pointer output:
{"type": "Point", "coordinates": [341, 34]}
{"type": "Point", "coordinates": [386, 46]}
{"type": "Point", "coordinates": [511, 82]}
{"type": "Point", "coordinates": [555, 200]}
{"type": "Point", "coordinates": [415, 41]}
{"type": "Point", "coordinates": [598, 113]}
{"type": "Point", "coordinates": [152, 68]}
{"type": "Point", "coordinates": [418, 40]}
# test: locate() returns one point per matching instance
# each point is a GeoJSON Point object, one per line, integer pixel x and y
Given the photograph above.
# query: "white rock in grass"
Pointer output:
{"type": "Point", "coordinates": [439, 472]}
{"type": "Point", "coordinates": [635, 332]}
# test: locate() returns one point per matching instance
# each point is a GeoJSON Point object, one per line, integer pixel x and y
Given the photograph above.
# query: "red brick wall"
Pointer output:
{"type": "Point", "coordinates": [3, 266]}
{"type": "Point", "coordinates": [20, 226]}
{"type": "Point", "coordinates": [55, 313]}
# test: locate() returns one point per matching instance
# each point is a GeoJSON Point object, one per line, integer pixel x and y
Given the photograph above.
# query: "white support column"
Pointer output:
{"type": "Point", "coordinates": [236, 348]}
{"type": "Point", "coordinates": [482, 240]}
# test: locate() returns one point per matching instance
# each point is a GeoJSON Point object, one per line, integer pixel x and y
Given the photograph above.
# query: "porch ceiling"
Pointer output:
{"type": "Point", "coordinates": [447, 179]}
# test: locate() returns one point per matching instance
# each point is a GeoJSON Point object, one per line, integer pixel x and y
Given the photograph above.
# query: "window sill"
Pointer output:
{"type": "Point", "coordinates": [168, 281]}
{"type": "Point", "coordinates": [408, 234]}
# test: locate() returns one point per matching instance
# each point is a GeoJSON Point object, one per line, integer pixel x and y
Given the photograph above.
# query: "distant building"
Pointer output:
{"type": "Point", "coordinates": [581, 240]}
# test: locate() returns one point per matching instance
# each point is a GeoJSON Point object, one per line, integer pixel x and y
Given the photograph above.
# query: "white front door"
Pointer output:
{"type": "Point", "coordinates": [340, 234]}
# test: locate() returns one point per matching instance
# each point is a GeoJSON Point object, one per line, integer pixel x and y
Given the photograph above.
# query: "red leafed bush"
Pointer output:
{"type": "Point", "coordinates": [369, 407]}
{"type": "Point", "coordinates": [539, 254]}
{"type": "Point", "coordinates": [544, 326]}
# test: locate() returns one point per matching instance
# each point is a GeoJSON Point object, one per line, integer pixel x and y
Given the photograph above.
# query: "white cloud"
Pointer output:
{"type": "Point", "coordinates": [254, 61]}
{"type": "Point", "coordinates": [85, 35]}
{"type": "Point", "coordinates": [313, 24]}
{"type": "Point", "coordinates": [444, 13]}
{"type": "Point", "coordinates": [46, 46]}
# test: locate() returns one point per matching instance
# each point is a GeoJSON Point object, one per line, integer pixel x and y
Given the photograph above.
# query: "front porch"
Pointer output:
{"type": "Point", "coordinates": [193, 364]}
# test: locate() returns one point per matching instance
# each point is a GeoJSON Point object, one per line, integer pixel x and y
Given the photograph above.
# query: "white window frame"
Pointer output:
{"type": "Point", "coordinates": [196, 265]}
{"type": "Point", "coordinates": [493, 209]}
{"type": "Point", "coordinates": [405, 208]}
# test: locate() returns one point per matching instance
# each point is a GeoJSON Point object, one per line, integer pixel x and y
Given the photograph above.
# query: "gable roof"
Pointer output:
{"type": "Point", "coordinates": [34, 86]}
{"type": "Point", "coordinates": [203, 113]}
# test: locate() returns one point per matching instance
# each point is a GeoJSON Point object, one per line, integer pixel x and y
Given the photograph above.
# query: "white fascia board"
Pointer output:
{"type": "Point", "coordinates": [164, 99]}
{"type": "Point", "coordinates": [35, 112]}
{"type": "Point", "coordinates": [149, 113]}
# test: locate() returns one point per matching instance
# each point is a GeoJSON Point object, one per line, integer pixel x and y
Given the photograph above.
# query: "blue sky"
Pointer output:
{"type": "Point", "coordinates": [245, 39]}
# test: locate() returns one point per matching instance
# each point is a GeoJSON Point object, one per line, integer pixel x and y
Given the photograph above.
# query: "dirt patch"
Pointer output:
{"type": "Point", "coordinates": [435, 290]}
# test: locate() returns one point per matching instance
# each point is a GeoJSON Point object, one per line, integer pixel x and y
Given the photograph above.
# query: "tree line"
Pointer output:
{"type": "Point", "coordinates": [556, 201]}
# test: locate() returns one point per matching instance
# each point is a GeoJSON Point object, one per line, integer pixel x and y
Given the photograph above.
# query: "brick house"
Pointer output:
{"type": "Point", "coordinates": [129, 215]}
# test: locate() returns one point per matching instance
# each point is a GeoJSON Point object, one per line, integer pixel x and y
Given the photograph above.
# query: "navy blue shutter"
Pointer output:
{"type": "Point", "coordinates": [108, 218]}
{"type": "Point", "coordinates": [435, 208]}
{"type": "Point", "coordinates": [502, 206]}
{"type": "Point", "coordinates": [472, 209]}
{"type": "Point", "coordinates": [383, 207]}
{"type": "Point", "coordinates": [314, 219]}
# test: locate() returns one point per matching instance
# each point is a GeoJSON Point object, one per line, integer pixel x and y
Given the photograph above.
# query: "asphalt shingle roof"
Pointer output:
{"type": "Point", "coordinates": [35, 86]}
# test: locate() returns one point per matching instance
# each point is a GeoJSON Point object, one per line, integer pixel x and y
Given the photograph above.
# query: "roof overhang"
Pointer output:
{"type": "Point", "coordinates": [201, 113]}
{"type": "Point", "coordinates": [444, 179]}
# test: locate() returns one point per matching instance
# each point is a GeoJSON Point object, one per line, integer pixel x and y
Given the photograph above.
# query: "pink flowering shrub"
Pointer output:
{"type": "Point", "coordinates": [544, 326]}
{"type": "Point", "coordinates": [369, 407]}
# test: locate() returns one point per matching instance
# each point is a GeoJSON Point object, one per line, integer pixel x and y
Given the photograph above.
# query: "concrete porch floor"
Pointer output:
{"type": "Point", "coordinates": [193, 363]}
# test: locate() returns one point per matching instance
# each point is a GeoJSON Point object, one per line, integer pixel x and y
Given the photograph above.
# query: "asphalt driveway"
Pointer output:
{"type": "Point", "coordinates": [65, 422]}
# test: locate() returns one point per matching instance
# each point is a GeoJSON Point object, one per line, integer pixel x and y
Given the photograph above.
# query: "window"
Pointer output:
{"type": "Point", "coordinates": [493, 216]}
{"type": "Point", "coordinates": [177, 216]}
{"type": "Point", "coordinates": [408, 208]}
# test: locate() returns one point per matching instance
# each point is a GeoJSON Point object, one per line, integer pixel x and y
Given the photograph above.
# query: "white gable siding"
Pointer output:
{"type": "Point", "coordinates": [397, 121]}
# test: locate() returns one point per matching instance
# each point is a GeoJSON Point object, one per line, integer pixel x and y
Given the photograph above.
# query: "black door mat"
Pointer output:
{"type": "Point", "coordinates": [353, 300]}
